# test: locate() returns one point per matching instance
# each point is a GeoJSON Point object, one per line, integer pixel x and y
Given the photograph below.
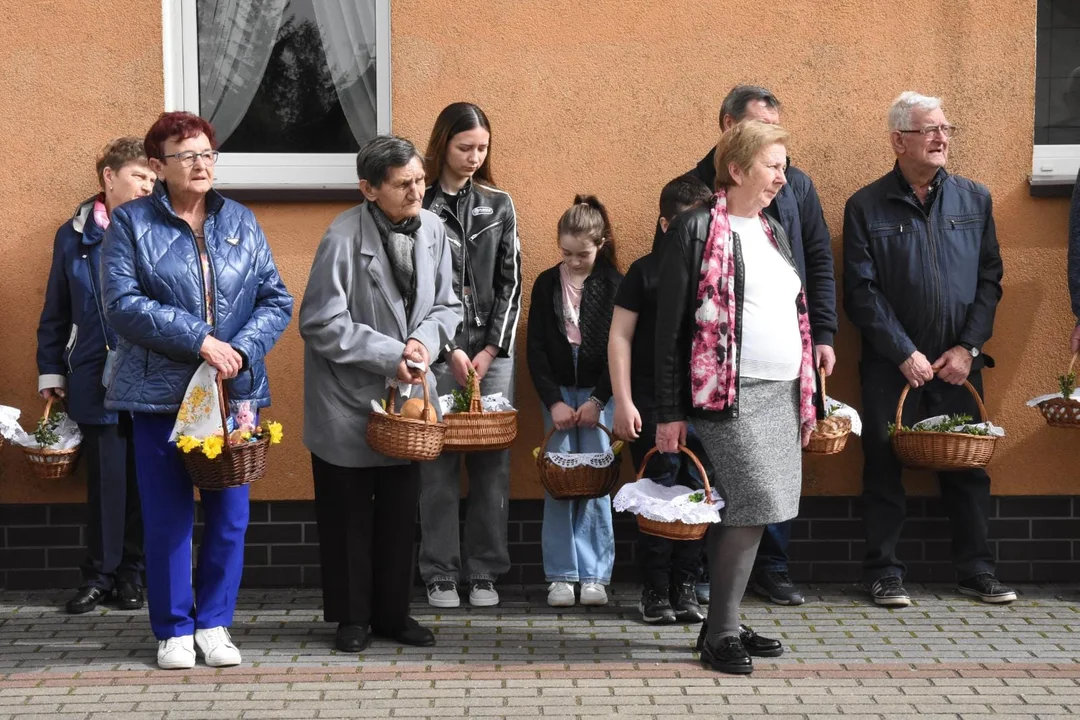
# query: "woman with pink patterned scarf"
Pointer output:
{"type": "Point", "coordinates": [734, 353]}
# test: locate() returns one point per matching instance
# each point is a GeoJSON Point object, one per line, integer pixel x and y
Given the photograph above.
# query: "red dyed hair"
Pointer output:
{"type": "Point", "coordinates": [176, 126]}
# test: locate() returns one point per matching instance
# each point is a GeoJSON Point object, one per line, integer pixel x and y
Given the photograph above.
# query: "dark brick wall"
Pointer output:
{"type": "Point", "coordinates": [1037, 539]}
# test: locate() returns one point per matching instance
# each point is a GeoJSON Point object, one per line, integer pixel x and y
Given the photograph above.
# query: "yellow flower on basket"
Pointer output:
{"type": "Point", "coordinates": [275, 432]}
{"type": "Point", "coordinates": [187, 443]}
{"type": "Point", "coordinates": [212, 446]}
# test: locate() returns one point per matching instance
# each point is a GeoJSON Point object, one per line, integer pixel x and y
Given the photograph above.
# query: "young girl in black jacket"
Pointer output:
{"type": "Point", "coordinates": [570, 315]}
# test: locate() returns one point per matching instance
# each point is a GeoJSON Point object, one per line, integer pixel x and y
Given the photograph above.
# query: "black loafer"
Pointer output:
{"type": "Point", "coordinates": [413, 634]}
{"type": "Point", "coordinates": [129, 596]}
{"type": "Point", "coordinates": [351, 638]}
{"type": "Point", "coordinates": [86, 599]}
{"type": "Point", "coordinates": [727, 655]}
{"type": "Point", "coordinates": [756, 645]}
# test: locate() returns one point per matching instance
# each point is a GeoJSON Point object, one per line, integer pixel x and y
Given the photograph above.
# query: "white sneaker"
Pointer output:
{"type": "Point", "coordinates": [483, 594]}
{"type": "Point", "coordinates": [593, 594]}
{"type": "Point", "coordinates": [176, 653]}
{"type": "Point", "coordinates": [561, 594]}
{"type": "Point", "coordinates": [217, 647]}
{"type": "Point", "coordinates": [443, 594]}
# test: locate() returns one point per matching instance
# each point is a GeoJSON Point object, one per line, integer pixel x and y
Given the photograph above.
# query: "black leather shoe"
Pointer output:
{"type": "Point", "coordinates": [756, 645]}
{"type": "Point", "coordinates": [413, 634]}
{"type": "Point", "coordinates": [351, 638]}
{"type": "Point", "coordinates": [727, 655]}
{"type": "Point", "coordinates": [86, 599]}
{"type": "Point", "coordinates": [129, 596]}
{"type": "Point", "coordinates": [685, 604]}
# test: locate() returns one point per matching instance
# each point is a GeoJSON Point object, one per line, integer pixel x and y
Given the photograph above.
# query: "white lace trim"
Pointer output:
{"type": "Point", "coordinates": [667, 504]}
{"type": "Point", "coordinates": [841, 410]}
{"type": "Point", "coordinates": [573, 460]}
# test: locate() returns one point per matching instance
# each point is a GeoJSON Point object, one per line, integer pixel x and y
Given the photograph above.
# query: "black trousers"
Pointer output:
{"type": "Point", "coordinates": [664, 563]}
{"type": "Point", "coordinates": [367, 524]}
{"type": "Point", "coordinates": [114, 529]}
{"type": "Point", "coordinates": [965, 495]}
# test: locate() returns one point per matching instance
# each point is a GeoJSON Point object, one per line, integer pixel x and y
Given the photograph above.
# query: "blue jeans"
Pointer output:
{"type": "Point", "coordinates": [577, 538]}
{"type": "Point", "coordinates": [772, 552]}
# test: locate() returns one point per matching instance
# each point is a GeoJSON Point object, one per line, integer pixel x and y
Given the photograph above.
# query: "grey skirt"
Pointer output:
{"type": "Point", "coordinates": [757, 457]}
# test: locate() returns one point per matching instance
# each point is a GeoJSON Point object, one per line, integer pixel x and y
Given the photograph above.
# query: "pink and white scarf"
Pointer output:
{"type": "Point", "coordinates": [713, 353]}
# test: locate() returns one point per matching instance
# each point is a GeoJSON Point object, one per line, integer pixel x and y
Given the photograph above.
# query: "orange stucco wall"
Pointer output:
{"type": "Point", "coordinates": [611, 97]}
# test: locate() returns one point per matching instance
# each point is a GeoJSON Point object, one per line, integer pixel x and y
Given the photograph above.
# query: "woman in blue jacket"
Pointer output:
{"type": "Point", "coordinates": [72, 346]}
{"type": "Point", "coordinates": [188, 277]}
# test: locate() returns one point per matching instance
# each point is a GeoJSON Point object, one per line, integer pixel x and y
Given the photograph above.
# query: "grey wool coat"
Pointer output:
{"type": "Point", "coordinates": [354, 327]}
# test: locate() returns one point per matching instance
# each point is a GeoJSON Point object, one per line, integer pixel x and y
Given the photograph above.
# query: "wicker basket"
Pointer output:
{"type": "Point", "coordinates": [831, 434]}
{"type": "Point", "coordinates": [476, 430]}
{"type": "Point", "coordinates": [677, 530]}
{"type": "Point", "coordinates": [577, 483]}
{"type": "Point", "coordinates": [942, 450]}
{"type": "Point", "coordinates": [1061, 412]}
{"type": "Point", "coordinates": [237, 465]}
{"type": "Point", "coordinates": [51, 464]}
{"type": "Point", "coordinates": [405, 438]}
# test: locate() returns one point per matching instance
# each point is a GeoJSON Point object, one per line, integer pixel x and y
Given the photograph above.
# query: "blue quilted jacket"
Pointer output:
{"type": "Point", "coordinates": [153, 290]}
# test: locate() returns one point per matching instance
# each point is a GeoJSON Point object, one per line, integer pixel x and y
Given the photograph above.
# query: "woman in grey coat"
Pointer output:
{"type": "Point", "coordinates": [380, 293]}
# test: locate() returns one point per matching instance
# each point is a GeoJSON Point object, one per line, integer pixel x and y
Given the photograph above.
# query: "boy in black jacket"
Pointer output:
{"type": "Point", "coordinates": [669, 568]}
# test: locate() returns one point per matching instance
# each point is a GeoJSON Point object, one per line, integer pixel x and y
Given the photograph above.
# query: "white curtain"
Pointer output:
{"type": "Point", "coordinates": [347, 29]}
{"type": "Point", "coordinates": [236, 39]}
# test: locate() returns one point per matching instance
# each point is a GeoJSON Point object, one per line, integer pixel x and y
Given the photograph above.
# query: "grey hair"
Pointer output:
{"type": "Point", "coordinates": [741, 96]}
{"type": "Point", "coordinates": [904, 104]}
{"type": "Point", "coordinates": [381, 153]}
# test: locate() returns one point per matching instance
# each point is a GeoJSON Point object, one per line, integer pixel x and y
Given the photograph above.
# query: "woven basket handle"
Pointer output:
{"type": "Point", "coordinates": [552, 431]}
{"type": "Point", "coordinates": [821, 379]}
{"type": "Point", "coordinates": [969, 386]}
{"type": "Point", "coordinates": [1072, 363]}
{"type": "Point", "coordinates": [391, 398]}
{"type": "Point", "coordinates": [474, 399]}
{"type": "Point", "coordinates": [686, 451]}
{"type": "Point", "coordinates": [48, 407]}
{"type": "Point", "coordinates": [223, 407]}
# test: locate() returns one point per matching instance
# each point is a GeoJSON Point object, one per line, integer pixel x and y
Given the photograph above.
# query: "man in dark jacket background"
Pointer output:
{"type": "Point", "coordinates": [1074, 262]}
{"type": "Point", "coordinates": [798, 209]}
{"type": "Point", "coordinates": [922, 280]}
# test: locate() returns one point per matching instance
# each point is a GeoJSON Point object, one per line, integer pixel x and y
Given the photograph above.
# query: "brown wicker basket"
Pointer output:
{"type": "Point", "coordinates": [577, 483]}
{"type": "Point", "coordinates": [677, 530]}
{"type": "Point", "coordinates": [405, 438]}
{"type": "Point", "coordinates": [942, 450]}
{"type": "Point", "coordinates": [237, 465]}
{"type": "Point", "coordinates": [831, 434]}
{"type": "Point", "coordinates": [51, 464]}
{"type": "Point", "coordinates": [1059, 411]}
{"type": "Point", "coordinates": [476, 430]}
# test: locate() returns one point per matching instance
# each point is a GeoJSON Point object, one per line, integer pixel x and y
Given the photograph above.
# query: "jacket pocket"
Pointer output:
{"type": "Point", "coordinates": [69, 349]}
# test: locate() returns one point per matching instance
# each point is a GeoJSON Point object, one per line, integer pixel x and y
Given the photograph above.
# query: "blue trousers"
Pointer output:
{"type": "Point", "coordinates": [772, 552]}
{"type": "Point", "coordinates": [168, 508]}
{"type": "Point", "coordinates": [577, 536]}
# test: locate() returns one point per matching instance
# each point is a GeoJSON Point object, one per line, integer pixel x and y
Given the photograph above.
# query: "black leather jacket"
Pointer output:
{"type": "Point", "coordinates": [680, 271]}
{"type": "Point", "coordinates": [482, 228]}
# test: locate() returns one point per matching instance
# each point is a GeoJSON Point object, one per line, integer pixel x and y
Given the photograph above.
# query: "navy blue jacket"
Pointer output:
{"type": "Point", "coordinates": [1074, 250]}
{"type": "Point", "coordinates": [797, 208]}
{"type": "Point", "coordinates": [71, 334]}
{"type": "Point", "coordinates": [154, 300]}
{"type": "Point", "coordinates": [916, 279]}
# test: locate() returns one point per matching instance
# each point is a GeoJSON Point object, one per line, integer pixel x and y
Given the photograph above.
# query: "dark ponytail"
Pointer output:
{"type": "Point", "coordinates": [588, 218]}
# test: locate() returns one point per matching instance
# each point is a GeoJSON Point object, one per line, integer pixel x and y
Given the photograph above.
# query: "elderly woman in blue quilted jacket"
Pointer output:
{"type": "Point", "coordinates": [188, 277]}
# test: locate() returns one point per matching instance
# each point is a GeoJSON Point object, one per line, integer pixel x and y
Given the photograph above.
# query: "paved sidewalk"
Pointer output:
{"type": "Point", "coordinates": [946, 657]}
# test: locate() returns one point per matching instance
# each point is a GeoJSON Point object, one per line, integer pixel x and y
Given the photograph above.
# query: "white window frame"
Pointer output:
{"type": "Point", "coordinates": [265, 171]}
{"type": "Point", "coordinates": [1055, 165]}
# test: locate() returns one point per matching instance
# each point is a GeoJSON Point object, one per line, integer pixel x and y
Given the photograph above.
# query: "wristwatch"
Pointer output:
{"type": "Point", "coordinates": [971, 349]}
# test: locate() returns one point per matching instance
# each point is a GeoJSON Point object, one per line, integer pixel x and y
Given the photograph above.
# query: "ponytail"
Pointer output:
{"type": "Point", "coordinates": [588, 218]}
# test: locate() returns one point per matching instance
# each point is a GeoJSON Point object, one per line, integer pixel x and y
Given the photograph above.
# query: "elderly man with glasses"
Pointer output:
{"type": "Point", "coordinates": [922, 280]}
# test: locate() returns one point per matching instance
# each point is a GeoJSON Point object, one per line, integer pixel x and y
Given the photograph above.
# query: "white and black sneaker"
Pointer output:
{"type": "Point", "coordinates": [987, 588]}
{"type": "Point", "coordinates": [443, 594]}
{"type": "Point", "coordinates": [482, 593]}
{"type": "Point", "coordinates": [889, 592]}
{"type": "Point", "coordinates": [655, 607]}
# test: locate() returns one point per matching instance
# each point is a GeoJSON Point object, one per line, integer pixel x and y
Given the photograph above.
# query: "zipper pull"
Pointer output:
{"type": "Point", "coordinates": [901, 228]}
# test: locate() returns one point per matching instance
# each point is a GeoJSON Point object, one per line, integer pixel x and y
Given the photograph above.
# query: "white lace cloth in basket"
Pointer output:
{"type": "Point", "coordinates": [573, 460]}
{"type": "Point", "coordinates": [835, 407]}
{"type": "Point", "coordinates": [667, 504]}
{"type": "Point", "coordinates": [1033, 402]}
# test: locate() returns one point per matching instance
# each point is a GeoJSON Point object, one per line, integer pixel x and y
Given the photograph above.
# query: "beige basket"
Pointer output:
{"type": "Point", "coordinates": [941, 450]}
{"type": "Point", "coordinates": [237, 465]}
{"type": "Point", "coordinates": [1062, 412]}
{"type": "Point", "coordinates": [478, 431]}
{"type": "Point", "coordinates": [577, 483]}
{"type": "Point", "coordinates": [677, 530]}
{"type": "Point", "coordinates": [831, 434]}
{"type": "Point", "coordinates": [405, 438]}
{"type": "Point", "coordinates": [51, 464]}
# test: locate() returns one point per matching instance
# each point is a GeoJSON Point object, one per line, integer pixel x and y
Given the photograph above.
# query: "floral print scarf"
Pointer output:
{"type": "Point", "coordinates": [713, 353]}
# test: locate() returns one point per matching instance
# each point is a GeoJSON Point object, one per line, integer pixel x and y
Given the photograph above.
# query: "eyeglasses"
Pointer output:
{"type": "Point", "coordinates": [187, 159]}
{"type": "Point", "coordinates": [946, 130]}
